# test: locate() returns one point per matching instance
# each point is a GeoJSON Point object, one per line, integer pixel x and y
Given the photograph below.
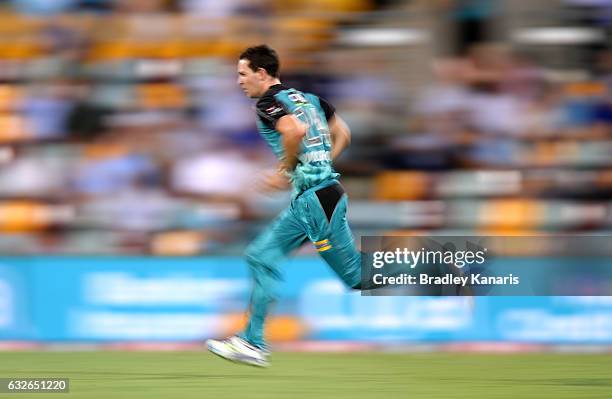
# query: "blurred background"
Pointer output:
{"type": "Point", "coordinates": [129, 160]}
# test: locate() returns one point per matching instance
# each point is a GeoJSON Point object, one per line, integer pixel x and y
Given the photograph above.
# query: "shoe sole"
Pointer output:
{"type": "Point", "coordinates": [239, 361]}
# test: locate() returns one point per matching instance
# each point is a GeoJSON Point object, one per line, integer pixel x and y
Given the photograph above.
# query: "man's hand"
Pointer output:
{"type": "Point", "coordinates": [274, 181]}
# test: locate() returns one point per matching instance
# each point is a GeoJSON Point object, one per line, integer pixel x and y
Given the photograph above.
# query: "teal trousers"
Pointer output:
{"type": "Point", "coordinates": [304, 220]}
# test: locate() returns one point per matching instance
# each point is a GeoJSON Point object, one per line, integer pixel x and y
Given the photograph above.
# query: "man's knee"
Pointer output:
{"type": "Point", "coordinates": [346, 263]}
{"type": "Point", "coordinates": [255, 258]}
{"type": "Point", "coordinates": [262, 262]}
{"type": "Point", "coordinates": [251, 254]}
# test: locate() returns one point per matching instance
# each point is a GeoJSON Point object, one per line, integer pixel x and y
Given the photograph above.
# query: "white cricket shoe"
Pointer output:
{"type": "Point", "coordinates": [238, 350]}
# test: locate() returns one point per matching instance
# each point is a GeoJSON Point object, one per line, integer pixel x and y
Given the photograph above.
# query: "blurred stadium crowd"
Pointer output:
{"type": "Point", "coordinates": [122, 130]}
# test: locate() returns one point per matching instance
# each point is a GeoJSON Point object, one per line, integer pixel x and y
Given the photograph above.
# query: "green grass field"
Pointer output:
{"type": "Point", "coordinates": [183, 375]}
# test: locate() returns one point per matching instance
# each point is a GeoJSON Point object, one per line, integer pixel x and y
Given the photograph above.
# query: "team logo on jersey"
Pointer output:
{"type": "Point", "coordinates": [316, 156]}
{"type": "Point", "coordinates": [297, 98]}
{"type": "Point", "coordinates": [273, 110]}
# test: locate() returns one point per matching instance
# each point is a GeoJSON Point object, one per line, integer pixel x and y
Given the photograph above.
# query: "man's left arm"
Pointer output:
{"type": "Point", "coordinates": [340, 135]}
{"type": "Point", "coordinates": [292, 131]}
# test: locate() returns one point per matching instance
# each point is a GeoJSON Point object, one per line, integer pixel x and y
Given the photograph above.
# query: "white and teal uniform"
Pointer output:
{"type": "Point", "coordinates": [314, 162]}
{"type": "Point", "coordinates": [317, 212]}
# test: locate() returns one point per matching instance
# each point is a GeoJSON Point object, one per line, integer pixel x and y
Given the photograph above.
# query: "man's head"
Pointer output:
{"type": "Point", "coordinates": [257, 70]}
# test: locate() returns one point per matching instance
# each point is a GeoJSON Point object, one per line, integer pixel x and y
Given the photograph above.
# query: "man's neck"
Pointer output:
{"type": "Point", "coordinates": [271, 83]}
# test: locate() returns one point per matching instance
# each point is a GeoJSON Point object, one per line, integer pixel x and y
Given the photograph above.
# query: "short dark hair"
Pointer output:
{"type": "Point", "coordinates": [262, 56]}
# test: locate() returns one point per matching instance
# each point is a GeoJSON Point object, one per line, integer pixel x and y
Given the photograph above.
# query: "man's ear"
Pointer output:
{"type": "Point", "coordinates": [261, 73]}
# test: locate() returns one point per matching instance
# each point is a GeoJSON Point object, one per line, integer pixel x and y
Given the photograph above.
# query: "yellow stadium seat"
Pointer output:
{"type": "Point", "coordinates": [401, 185]}
{"type": "Point", "coordinates": [10, 97]}
{"type": "Point", "coordinates": [161, 95]}
{"type": "Point", "coordinates": [13, 127]}
{"type": "Point", "coordinates": [23, 216]}
{"type": "Point", "coordinates": [509, 214]}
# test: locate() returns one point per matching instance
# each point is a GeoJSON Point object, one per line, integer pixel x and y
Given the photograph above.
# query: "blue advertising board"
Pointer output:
{"type": "Point", "coordinates": [105, 299]}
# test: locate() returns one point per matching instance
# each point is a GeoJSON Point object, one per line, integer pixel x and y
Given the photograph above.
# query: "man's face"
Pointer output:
{"type": "Point", "coordinates": [251, 83]}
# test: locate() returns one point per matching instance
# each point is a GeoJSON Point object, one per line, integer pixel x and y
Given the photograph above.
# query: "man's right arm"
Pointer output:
{"type": "Point", "coordinates": [340, 135]}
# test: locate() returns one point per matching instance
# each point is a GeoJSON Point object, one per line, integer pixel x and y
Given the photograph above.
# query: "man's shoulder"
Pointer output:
{"type": "Point", "coordinates": [268, 108]}
{"type": "Point", "coordinates": [269, 96]}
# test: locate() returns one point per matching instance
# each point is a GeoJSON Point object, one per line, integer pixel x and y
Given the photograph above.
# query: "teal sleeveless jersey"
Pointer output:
{"type": "Point", "coordinates": [314, 160]}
